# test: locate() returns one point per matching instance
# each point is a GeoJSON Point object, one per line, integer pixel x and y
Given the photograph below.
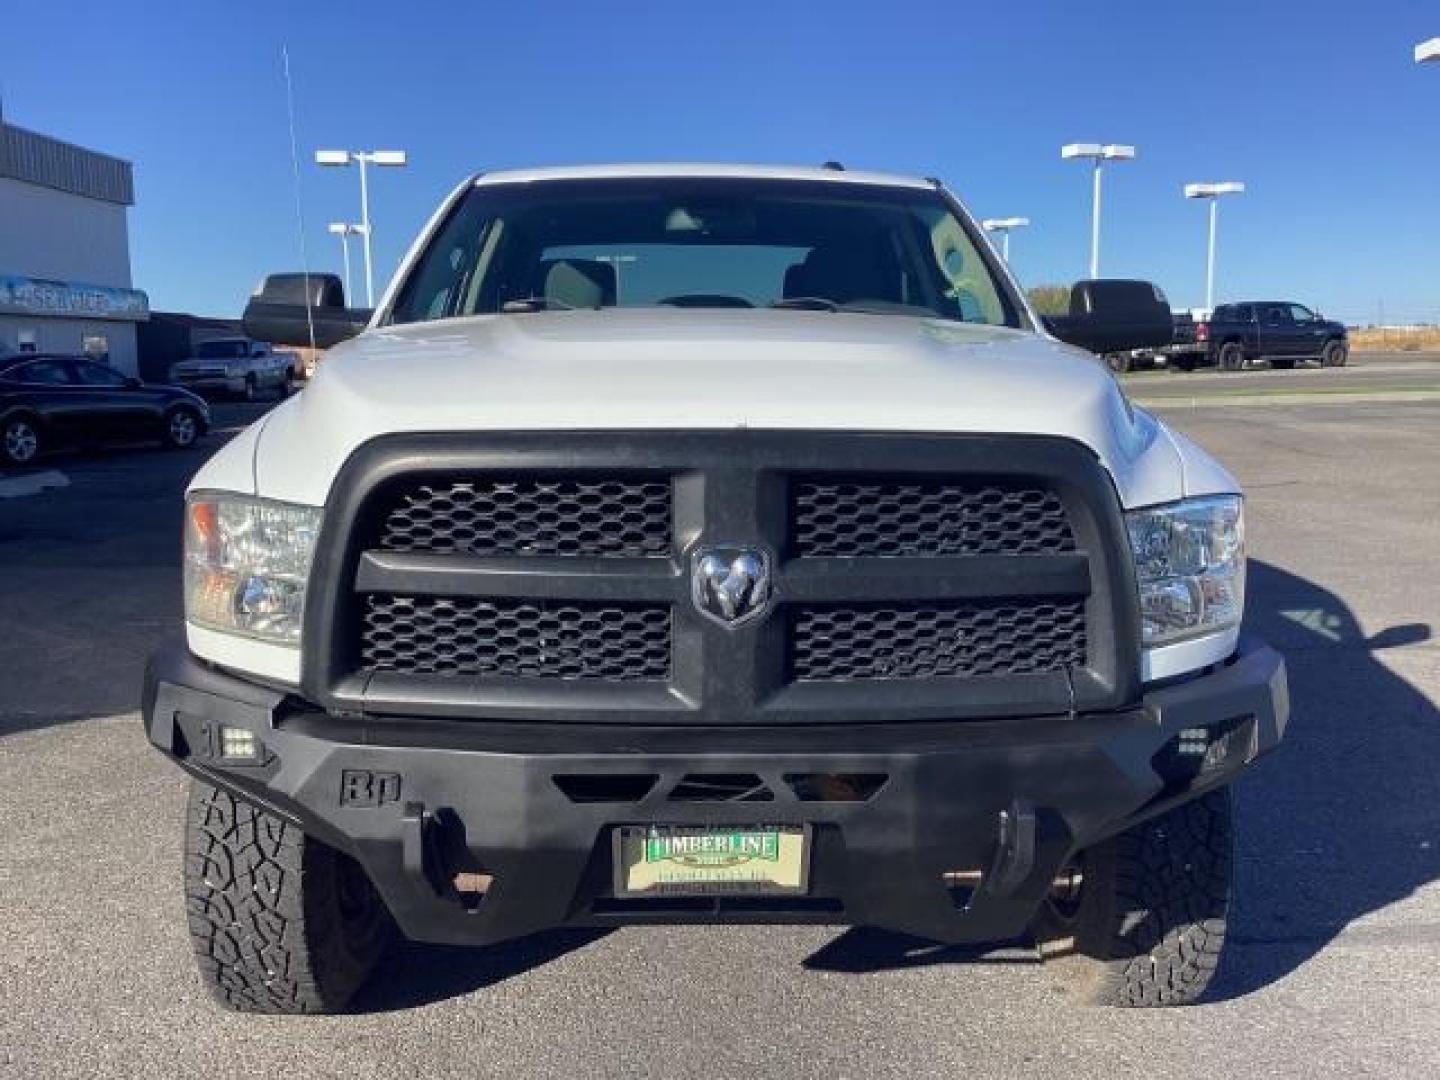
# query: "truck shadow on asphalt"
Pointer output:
{"type": "Point", "coordinates": [415, 974]}
{"type": "Point", "coordinates": [1341, 821]}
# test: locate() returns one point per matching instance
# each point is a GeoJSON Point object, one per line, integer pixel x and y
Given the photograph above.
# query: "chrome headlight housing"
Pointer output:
{"type": "Point", "coordinates": [247, 563]}
{"type": "Point", "coordinates": [1190, 567]}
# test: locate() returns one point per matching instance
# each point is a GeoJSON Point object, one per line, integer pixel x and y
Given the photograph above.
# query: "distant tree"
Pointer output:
{"type": "Point", "coordinates": [1050, 299]}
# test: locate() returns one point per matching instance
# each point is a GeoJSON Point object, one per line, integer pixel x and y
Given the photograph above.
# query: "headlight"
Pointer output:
{"type": "Point", "coordinates": [246, 564]}
{"type": "Point", "coordinates": [1190, 566]}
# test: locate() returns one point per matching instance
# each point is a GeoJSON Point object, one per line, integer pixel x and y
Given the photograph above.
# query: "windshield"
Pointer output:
{"type": "Point", "coordinates": [222, 350]}
{"type": "Point", "coordinates": [703, 243]}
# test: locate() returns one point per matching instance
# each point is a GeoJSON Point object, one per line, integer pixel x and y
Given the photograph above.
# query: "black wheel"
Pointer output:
{"type": "Point", "coordinates": [280, 923]}
{"type": "Point", "coordinates": [1334, 354]}
{"type": "Point", "coordinates": [252, 388]}
{"type": "Point", "coordinates": [20, 441]}
{"type": "Point", "coordinates": [1283, 363]}
{"type": "Point", "coordinates": [1140, 919]}
{"type": "Point", "coordinates": [182, 428]}
{"type": "Point", "coordinates": [1232, 356]}
{"type": "Point", "coordinates": [1119, 362]}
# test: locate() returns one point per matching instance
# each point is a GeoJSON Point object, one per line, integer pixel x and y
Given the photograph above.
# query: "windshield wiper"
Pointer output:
{"type": "Point", "coordinates": [807, 303]}
{"type": "Point", "coordinates": [535, 303]}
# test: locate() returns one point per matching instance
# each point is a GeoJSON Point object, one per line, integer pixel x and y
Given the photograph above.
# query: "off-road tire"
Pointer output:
{"type": "Point", "coordinates": [1150, 919]}
{"type": "Point", "coordinates": [1232, 357]}
{"type": "Point", "coordinates": [280, 923]}
{"type": "Point", "coordinates": [1334, 354]}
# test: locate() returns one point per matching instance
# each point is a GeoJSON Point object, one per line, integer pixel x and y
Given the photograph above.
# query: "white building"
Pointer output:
{"type": "Point", "coordinates": [65, 250]}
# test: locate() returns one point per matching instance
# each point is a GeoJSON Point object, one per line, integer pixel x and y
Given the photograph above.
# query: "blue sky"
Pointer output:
{"type": "Point", "coordinates": [1317, 106]}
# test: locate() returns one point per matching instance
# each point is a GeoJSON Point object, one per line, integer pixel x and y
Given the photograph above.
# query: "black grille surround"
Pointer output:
{"type": "Point", "coordinates": [1043, 622]}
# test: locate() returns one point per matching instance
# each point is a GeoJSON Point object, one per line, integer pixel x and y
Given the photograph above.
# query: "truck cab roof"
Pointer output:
{"type": "Point", "coordinates": [702, 170]}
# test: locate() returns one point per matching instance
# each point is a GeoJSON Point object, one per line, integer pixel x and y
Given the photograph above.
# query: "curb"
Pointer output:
{"type": "Point", "coordinates": [17, 487]}
{"type": "Point", "coordinates": [1202, 401]}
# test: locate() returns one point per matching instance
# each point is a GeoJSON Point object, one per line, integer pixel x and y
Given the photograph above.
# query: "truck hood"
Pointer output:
{"type": "Point", "coordinates": [621, 369]}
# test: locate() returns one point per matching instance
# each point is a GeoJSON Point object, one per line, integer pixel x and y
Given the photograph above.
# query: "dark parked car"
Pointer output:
{"type": "Point", "coordinates": [1275, 330]}
{"type": "Point", "coordinates": [48, 401]}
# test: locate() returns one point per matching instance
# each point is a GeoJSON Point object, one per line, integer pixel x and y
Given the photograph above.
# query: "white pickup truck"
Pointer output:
{"type": "Point", "coordinates": [237, 366]}
{"type": "Point", "coordinates": [707, 544]}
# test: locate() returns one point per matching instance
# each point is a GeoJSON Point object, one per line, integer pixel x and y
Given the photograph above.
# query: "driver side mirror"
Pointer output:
{"type": "Point", "coordinates": [286, 307]}
{"type": "Point", "coordinates": [132, 383]}
{"type": "Point", "coordinates": [1110, 315]}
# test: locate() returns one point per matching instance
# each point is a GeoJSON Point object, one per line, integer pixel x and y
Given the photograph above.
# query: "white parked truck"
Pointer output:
{"type": "Point", "coordinates": [711, 544]}
{"type": "Point", "coordinates": [237, 366]}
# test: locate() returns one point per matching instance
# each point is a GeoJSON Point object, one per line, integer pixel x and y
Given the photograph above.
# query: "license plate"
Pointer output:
{"type": "Point", "coordinates": [655, 860]}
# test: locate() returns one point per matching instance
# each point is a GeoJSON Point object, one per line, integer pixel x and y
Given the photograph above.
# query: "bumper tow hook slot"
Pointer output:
{"type": "Point", "coordinates": [1015, 853]}
{"type": "Point", "coordinates": [416, 846]}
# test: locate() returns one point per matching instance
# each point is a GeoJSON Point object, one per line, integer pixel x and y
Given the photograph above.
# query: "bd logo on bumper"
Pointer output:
{"type": "Point", "coordinates": [361, 787]}
{"type": "Point", "coordinates": [731, 583]}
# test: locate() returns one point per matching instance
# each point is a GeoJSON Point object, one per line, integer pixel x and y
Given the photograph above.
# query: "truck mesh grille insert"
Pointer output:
{"type": "Point", "coordinates": [867, 517]}
{"type": "Point", "coordinates": [495, 515]}
{"type": "Point", "coordinates": [528, 639]}
{"type": "Point", "coordinates": [893, 641]}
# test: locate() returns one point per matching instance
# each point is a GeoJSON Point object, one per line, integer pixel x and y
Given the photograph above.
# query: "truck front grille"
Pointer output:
{"type": "Point", "coordinates": [553, 576]}
{"type": "Point", "coordinates": [425, 635]}
{"type": "Point", "coordinates": [893, 517]}
{"type": "Point", "coordinates": [529, 515]}
{"type": "Point", "coordinates": [937, 641]}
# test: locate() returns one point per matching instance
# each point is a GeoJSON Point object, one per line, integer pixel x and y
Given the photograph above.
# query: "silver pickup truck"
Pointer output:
{"type": "Point", "coordinates": [236, 365]}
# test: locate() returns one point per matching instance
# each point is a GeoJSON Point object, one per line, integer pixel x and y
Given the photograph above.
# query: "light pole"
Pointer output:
{"type": "Point", "coordinates": [363, 158]}
{"type": "Point", "coordinates": [1428, 51]}
{"type": "Point", "coordinates": [1099, 153]}
{"type": "Point", "coordinates": [1003, 226]}
{"type": "Point", "coordinates": [345, 230]}
{"type": "Point", "coordinates": [1212, 193]}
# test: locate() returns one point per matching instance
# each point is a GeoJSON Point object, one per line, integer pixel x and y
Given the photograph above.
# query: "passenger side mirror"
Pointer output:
{"type": "Point", "coordinates": [1110, 315]}
{"type": "Point", "coordinates": [278, 311]}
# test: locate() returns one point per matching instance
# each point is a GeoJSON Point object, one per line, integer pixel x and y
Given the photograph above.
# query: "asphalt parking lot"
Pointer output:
{"type": "Point", "coordinates": [1335, 934]}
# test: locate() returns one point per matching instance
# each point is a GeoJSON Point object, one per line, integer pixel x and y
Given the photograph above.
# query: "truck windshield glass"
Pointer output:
{"type": "Point", "coordinates": [703, 243]}
{"type": "Point", "coordinates": [222, 350]}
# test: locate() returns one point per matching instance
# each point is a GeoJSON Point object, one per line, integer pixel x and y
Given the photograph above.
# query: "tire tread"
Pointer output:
{"type": "Point", "coordinates": [257, 894]}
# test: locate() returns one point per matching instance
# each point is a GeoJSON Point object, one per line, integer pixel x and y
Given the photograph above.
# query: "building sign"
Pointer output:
{"type": "Point", "coordinates": [71, 300]}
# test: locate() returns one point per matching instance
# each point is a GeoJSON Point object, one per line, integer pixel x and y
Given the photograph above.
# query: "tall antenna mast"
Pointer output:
{"type": "Point", "coordinates": [295, 171]}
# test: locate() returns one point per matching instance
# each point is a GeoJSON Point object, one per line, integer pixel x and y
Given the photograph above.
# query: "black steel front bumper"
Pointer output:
{"type": "Point", "coordinates": [997, 805]}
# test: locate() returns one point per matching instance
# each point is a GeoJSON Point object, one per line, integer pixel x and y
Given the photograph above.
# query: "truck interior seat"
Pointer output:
{"type": "Point", "coordinates": [579, 283]}
{"type": "Point", "coordinates": [841, 273]}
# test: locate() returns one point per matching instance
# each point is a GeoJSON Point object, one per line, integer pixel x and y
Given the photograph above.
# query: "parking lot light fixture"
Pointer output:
{"type": "Point", "coordinates": [1098, 154]}
{"type": "Point", "coordinates": [1428, 51]}
{"type": "Point", "coordinates": [1212, 193]}
{"type": "Point", "coordinates": [363, 158]}
{"type": "Point", "coordinates": [345, 230]}
{"type": "Point", "coordinates": [1003, 227]}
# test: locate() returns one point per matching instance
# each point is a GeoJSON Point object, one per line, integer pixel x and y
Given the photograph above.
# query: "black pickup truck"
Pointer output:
{"type": "Point", "coordinates": [1274, 330]}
